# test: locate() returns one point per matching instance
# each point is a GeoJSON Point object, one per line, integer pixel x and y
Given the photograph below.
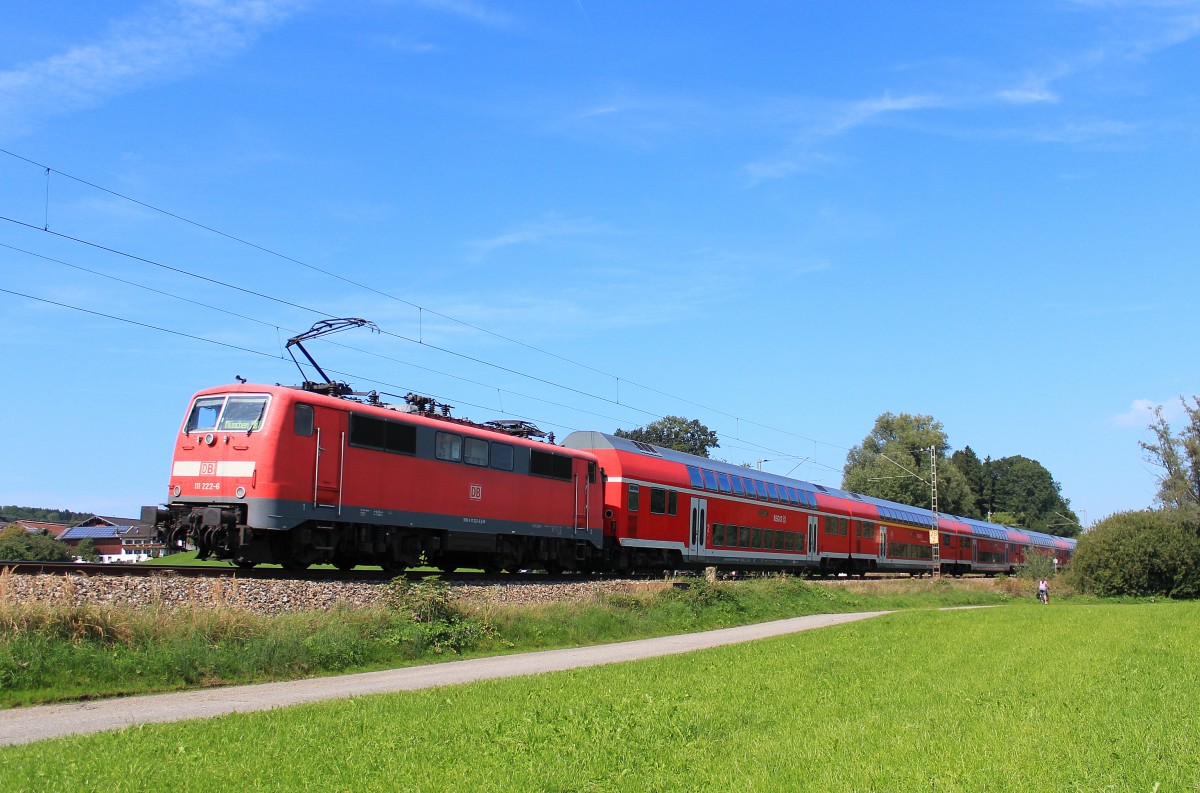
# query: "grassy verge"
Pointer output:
{"type": "Point", "coordinates": [1024, 698]}
{"type": "Point", "coordinates": [50, 654]}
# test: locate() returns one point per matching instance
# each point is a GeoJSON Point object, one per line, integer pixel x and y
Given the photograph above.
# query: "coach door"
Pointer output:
{"type": "Point", "coordinates": [330, 442]}
{"type": "Point", "coordinates": [699, 527]}
{"type": "Point", "coordinates": [882, 541]}
{"type": "Point", "coordinates": [813, 553]}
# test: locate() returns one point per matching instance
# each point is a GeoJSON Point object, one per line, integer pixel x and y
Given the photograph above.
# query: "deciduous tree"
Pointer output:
{"type": "Point", "coordinates": [1179, 458]}
{"type": "Point", "coordinates": [675, 432]}
{"type": "Point", "coordinates": [893, 462]}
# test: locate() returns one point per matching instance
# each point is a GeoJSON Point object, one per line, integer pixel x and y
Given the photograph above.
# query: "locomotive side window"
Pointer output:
{"type": "Point", "coordinates": [475, 451]}
{"type": "Point", "coordinates": [382, 435]}
{"type": "Point", "coordinates": [401, 438]}
{"type": "Point", "coordinates": [635, 495]}
{"type": "Point", "coordinates": [556, 466]}
{"type": "Point", "coordinates": [303, 420]}
{"type": "Point", "coordinates": [502, 457]}
{"type": "Point", "coordinates": [204, 414]}
{"type": "Point", "coordinates": [448, 446]}
{"type": "Point", "coordinates": [243, 414]}
{"type": "Point", "coordinates": [368, 432]}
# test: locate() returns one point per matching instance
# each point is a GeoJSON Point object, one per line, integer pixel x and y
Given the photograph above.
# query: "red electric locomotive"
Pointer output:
{"type": "Point", "coordinates": [277, 474]}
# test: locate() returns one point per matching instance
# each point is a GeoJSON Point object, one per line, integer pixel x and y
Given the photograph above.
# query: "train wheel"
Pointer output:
{"type": "Point", "coordinates": [244, 563]}
{"type": "Point", "coordinates": [344, 564]}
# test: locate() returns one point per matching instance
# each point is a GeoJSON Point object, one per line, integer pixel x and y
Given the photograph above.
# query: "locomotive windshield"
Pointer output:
{"type": "Point", "coordinates": [227, 414]}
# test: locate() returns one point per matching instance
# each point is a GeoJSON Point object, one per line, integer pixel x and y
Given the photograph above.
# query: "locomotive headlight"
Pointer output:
{"type": "Point", "coordinates": [240, 492]}
{"type": "Point", "coordinates": [177, 491]}
{"type": "Point", "coordinates": [210, 439]}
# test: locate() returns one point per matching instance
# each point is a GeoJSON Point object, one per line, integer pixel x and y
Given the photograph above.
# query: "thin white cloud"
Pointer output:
{"type": "Point", "coordinates": [534, 233]}
{"type": "Point", "coordinates": [866, 110]}
{"type": "Point", "coordinates": [166, 42]}
{"type": "Point", "coordinates": [1139, 414]}
{"type": "Point", "coordinates": [472, 12]}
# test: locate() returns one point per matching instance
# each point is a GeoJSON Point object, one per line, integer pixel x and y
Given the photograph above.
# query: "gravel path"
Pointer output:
{"type": "Point", "coordinates": [25, 725]}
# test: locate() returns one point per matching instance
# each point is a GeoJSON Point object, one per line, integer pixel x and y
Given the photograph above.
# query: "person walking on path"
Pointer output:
{"type": "Point", "coordinates": [1044, 592]}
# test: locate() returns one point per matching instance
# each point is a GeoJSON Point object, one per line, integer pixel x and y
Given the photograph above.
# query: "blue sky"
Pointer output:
{"type": "Point", "coordinates": [782, 219]}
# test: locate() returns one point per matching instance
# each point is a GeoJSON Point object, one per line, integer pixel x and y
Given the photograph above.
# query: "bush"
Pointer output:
{"type": "Point", "coordinates": [1148, 553]}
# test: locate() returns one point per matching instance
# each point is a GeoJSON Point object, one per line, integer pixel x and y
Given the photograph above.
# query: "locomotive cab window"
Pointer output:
{"type": "Point", "coordinates": [243, 414]}
{"type": "Point", "coordinates": [204, 414]}
{"type": "Point", "coordinates": [303, 420]}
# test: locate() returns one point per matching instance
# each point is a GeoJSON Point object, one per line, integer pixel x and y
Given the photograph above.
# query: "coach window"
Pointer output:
{"type": "Point", "coordinates": [448, 446]}
{"type": "Point", "coordinates": [710, 479]}
{"type": "Point", "coordinates": [502, 457]}
{"type": "Point", "coordinates": [658, 501]}
{"type": "Point", "coordinates": [738, 490]}
{"type": "Point", "coordinates": [789, 541]}
{"type": "Point", "coordinates": [635, 495]}
{"type": "Point", "coordinates": [475, 451]}
{"type": "Point", "coordinates": [694, 476]}
{"type": "Point", "coordinates": [756, 540]}
{"type": "Point", "coordinates": [768, 538]}
{"type": "Point", "coordinates": [761, 489]}
{"type": "Point", "coordinates": [672, 502]}
{"type": "Point", "coordinates": [718, 532]}
{"type": "Point", "coordinates": [744, 537]}
{"type": "Point", "coordinates": [782, 539]}
{"type": "Point", "coordinates": [204, 414]}
{"type": "Point", "coordinates": [724, 480]}
{"type": "Point", "coordinates": [304, 420]}
{"type": "Point", "coordinates": [772, 492]}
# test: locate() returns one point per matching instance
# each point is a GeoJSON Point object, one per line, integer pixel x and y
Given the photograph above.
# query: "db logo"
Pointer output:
{"type": "Point", "coordinates": [476, 492]}
{"type": "Point", "coordinates": [208, 469]}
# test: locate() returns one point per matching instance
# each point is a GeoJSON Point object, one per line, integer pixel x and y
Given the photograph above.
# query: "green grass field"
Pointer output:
{"type": "Point", "coordinates": [1020, 698]}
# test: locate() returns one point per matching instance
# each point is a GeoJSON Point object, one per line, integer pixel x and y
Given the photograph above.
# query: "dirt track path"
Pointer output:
{"type": "Point", "coordinates": [25, 725]}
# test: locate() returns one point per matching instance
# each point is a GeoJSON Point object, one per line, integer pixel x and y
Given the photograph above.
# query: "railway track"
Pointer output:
{"type": "Point", "coordinates": [279, 574]}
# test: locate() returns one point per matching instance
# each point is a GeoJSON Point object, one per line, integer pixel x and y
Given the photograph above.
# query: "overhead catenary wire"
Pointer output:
{"type": "Point", "coordinates": [357, 377]}
{"type": "Point", "coordinates": [421, 310]}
